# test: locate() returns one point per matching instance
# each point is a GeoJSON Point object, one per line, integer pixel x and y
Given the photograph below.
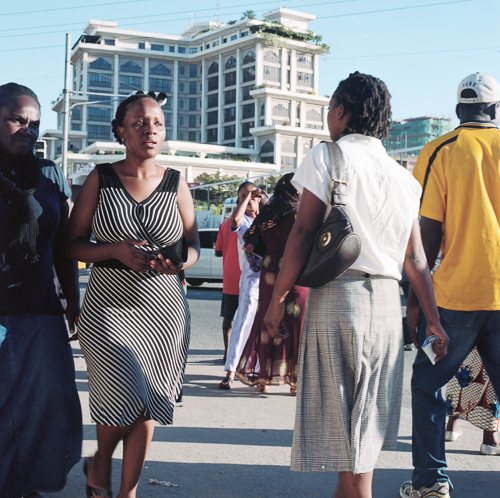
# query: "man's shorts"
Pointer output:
{"type": "Point", "coordinates": [229, 305]}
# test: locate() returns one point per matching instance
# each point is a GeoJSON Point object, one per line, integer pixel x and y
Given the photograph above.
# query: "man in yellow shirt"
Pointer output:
{"type": "Point", "coordinates": [460, 214]}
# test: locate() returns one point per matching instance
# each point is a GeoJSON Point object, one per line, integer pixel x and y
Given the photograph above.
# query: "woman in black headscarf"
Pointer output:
{"type": "Point", "coordinates": [40, 415]}
{"type": "Point", "coordinates": [266, 361]}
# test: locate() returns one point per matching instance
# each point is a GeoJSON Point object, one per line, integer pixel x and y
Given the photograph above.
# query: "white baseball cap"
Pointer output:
{"type": "Point", "coordinates": [485, 86]}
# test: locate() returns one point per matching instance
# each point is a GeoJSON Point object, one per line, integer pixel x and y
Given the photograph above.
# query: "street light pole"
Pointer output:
{"type": "Point", "coordinates": [66, 108]}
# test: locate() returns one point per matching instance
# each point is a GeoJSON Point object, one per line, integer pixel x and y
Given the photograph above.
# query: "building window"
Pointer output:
{"type": "Point", "coordinates": [130, 67]}
{"type": "Point", "coordinates": [171, 48]}
{"type": "Point", "coordinates": [229, 97]}
{"type": "Point", "coordinates": [182, 70]}
{"type": "Point", "coordinates": [314, 127]}
{"type": "Point", "coordinates": [160, 85]}
{"type": "Point", "coordinates": [288, 145]}
{"type": "Point", "coordinates": [181, 50]}
{"type": "Point", "coordinates": [281, 110]}
{"type": "Point", "coordinates": [192, 136]}
{"type": "Point", "coordinates": [181, 87]}
{"type": "Point", "coordinates": [213, 83]}
{"type": "Point", "coordinates": [104, 99]}
{"type": "Point", "coordinates": [248, 144]}
{"type": "Point", "coordinates": [229, 115]}
{"type": "Point", "coordinates": [180, 120]}
{"type": "Point", "coordinates": [215, 43]}
{"type": "Point", "coordinates": [288, 161]}
{"type": "Point", "coordinates": [101, 80]}
{"type": "Point", "coordinates": [212, 118]}
{"type": "Point", "coordinates": [304, 61]}
{"type": "Point", "coordinates": [192, 104]}
{"type": "Point", "coordinates": [224, 40]}
{"type": "Point", "coordinates": [234, 37]}
{"type": "Point", "coordinates": [249, 57]}
{"type": "Point", "coordinates": [168, 134]}
{"type": "Point", "coordinates": [76, 114]}
{"type": "Point", "coordinates": [193, 50]}
{"type": "Point", "coordinates": [314, 115]}
{"type": "Point", "coordinates": [161, 70]}
{"type": "Point", "coordinates": [248, 111]}
{"type": "Point", "coordinates": [98, 132]}
{"type": "Point", "coordinates": [168, 119]}
{"type": "Point", "coordinates": [212, 135]}
{"type": "Point", "coordinates": [307, 145]}
{"type": "Point", "coordinates": [245, 129]}
{"type": "Point", "coordinates": [212, 101]}
{"type": "Point", "coordinates": [97, 114]}
{"type": "Point", "coordinates": [193, 87]}
{"type": "Point", "coordinates": [213, 68]}
{"type": "Point", "coordinates": [230, 79]}
{"type": "Point", "coordinates": [142, 45]}
{"type": "Point", "coordinates": [271, 55]}
{"type": "Point", "coordinates": [130, 83]}
{"type": "Point", "coordinates": [101, 63]}
{"type": "Point", "coordinates": [193, 70]}
{"type": "Point", "coordinates": [245, 33]}
{"type": "Point", "coordinates": [249, 74]}
{"type": "Point", "coordinates": [108, 41]}
{"type": "Point", "coordinates": [192, 121]}
{"type": "Point", "coordinates": [159, 48]}
{"type": "Point", "coordinates": [304, 79]}
{"type": "Point", "coordinates": [245, 93]}
{"type": "Point", "coordinates": [267, 146]}
{"type": "Point", "coordinates": [271, 73]}
{"type": "Point", "coordinates": [229, 132]}
{"type": "Point", "coordinates": [181, 103]}
{"type": "Point", "coordinates": [231, 62]}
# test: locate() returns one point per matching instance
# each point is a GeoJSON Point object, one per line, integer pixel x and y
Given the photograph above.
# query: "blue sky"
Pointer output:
{"type": "Point", "coordinates": [421, 49]}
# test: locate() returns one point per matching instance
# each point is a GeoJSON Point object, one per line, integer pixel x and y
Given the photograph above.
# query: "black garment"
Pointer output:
{"type": "Point", "coordinates": [30, 288]}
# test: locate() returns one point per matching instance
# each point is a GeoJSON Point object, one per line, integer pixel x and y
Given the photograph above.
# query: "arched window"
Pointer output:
{"type": "Point", "coordinates": [161, 69]}
{"type": "Point", "coordinates": [130, 67]}
{"type": "Point", "coordinates": [267, 146]}
{"type": "Point", "coordinates": [214, 68]}
{"type": "Point", "coordinates": [101, 63]}
{"type": "Point", "coordinates": [231, 62]}
{"type": "Point", "coordinates": [249, 57]}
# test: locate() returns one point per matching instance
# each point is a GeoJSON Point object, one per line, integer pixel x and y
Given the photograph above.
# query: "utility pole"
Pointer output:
{"type": "Point", "coordinates": [66, 108]}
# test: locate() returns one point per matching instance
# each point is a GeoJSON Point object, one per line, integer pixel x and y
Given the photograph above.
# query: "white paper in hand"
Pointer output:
{"type": "Point", "coordinates": [427, 347]}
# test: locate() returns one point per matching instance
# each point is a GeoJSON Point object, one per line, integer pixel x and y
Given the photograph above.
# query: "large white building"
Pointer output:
{"type": "Point", "coordinates": [249, 84]}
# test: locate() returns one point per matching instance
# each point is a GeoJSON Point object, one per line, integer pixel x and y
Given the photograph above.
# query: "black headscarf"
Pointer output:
{"type": "Point", "coordinates": [285, 200]}
{"type": "Point", "coordinates": [22, 224]}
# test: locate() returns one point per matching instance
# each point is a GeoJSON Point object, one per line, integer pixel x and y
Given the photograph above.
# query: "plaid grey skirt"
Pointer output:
{"type": "Point", "coordinates": [350, 375]}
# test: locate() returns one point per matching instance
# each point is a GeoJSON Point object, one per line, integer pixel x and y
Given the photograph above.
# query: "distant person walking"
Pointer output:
{"type": "Point", "coordinates": [40, 414]}
{"type": "Point", "coordinates": [460, 214]}
{"type": "Point", "coordinates": [351, 353]}
{"type": "Point", "coordinates": [227, 248]}
{"type": "Point", "coordinates": [247, 209]}
{"type": "Point", "coordinates": [266, 361]}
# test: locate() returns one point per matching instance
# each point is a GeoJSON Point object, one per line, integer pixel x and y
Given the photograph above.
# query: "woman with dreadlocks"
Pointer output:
{"type": "Point", "coordinates": [266, 361]}
{"type": "Point", "coordinates": [40, 415]}
{"type": "Point", "coordinates": [351, 353]}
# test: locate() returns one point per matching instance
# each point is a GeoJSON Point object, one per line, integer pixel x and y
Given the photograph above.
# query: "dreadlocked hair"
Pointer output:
{"type": "Point", "coordinates": [122, 111]}
{"type": "Point", "coordinates": [367, 99]}
{"type": "Point", "coordinates": [11, 91]}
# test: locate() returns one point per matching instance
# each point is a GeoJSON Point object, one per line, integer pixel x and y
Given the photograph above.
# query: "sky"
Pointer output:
{"type": "Point", "coordinates": [421, 49]}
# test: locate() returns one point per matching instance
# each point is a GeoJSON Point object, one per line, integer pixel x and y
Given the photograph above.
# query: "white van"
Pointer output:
{"type": "Point", "coordinates": [229, 206]}
{"type": "Point", "coordinates": [209, 267]}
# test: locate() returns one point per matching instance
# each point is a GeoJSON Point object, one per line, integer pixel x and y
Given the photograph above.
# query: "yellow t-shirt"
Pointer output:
{"type": "Point", "coordinates": [460, 176]}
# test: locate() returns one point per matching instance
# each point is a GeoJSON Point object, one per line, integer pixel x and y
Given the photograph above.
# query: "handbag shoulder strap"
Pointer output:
{"type": "Point", "coordinates": [337, 175]}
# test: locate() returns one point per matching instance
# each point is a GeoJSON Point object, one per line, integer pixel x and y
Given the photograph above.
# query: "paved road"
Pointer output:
{"type": "Point", "coordinates": [236, 444]}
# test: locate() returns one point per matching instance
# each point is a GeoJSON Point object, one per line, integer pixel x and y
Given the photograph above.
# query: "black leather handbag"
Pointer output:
{"type": "Point", "coordinates": [176, 252]}
{"type": "Point", "coordinates": [336, 247]}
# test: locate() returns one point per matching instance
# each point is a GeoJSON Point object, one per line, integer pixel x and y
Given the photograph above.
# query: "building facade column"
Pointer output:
{"type": "Point", "coordinates": [258, 64]}
{"type": "Point", "coordinates": [293, 70]}
{"type": "Point", "coordinates": [175, 107]}
{"type": "Point", "coordinates": [237, 124]}
{"type": "Point", "coordinates": [204, 85]}
{"type": "Point", "coordinates": [316, 73]}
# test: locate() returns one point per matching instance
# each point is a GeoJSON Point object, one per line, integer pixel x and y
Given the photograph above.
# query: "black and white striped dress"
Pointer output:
{"type": "Point", "coordinates": [134, 327]}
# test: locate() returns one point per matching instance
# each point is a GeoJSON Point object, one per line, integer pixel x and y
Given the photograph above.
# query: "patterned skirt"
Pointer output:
{"type": "Point", "coordinates": [350, 375]}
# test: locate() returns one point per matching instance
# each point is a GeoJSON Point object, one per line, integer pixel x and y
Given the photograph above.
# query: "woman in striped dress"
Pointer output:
{"type": "Point", "coordinates": [349, 385]}
{"type": "Point", "coordinates": [135, 323]}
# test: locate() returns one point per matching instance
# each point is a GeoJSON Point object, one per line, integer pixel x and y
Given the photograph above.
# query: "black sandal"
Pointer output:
{"type": "Point", "coordinates": [226, 383]}
{"type": "Point", "coordinates": [91, 491]}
